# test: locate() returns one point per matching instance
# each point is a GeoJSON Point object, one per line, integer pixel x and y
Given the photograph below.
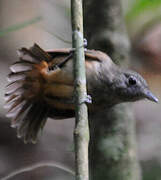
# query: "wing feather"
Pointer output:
{"type": "Point", "coordinates": [41, 86]}
{"type": "Point", "coordinates": [29, 85]}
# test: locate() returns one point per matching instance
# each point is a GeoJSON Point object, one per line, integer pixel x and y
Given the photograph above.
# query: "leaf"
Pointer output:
{"type": "Point", "coordinates": [142, 5]}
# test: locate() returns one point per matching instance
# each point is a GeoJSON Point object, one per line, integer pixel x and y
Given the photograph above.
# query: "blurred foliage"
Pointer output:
{"type": "Point", "coordinates": [151, 170]}
{"type": "Point", "coordinates": [20, 26]}
{"type": "Point", "coordinates": [140, 6]}
{"type": "Point", "coordinates": [137, 8]}
{"type": "Point", "coordinates": [146, 8]}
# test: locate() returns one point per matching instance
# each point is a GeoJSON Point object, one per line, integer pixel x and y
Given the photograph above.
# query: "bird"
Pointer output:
{"type": "Point", "coordinates": [41, 85]}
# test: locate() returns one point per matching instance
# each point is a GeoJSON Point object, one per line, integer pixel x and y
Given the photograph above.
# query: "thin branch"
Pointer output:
{"type": "Point", "coordinates": [81, 132]}
{"type": "Point", "coordinates": [35, 166]}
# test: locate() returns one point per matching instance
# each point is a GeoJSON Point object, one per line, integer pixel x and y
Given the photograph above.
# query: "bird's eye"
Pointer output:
{"type": "Point", "coordinates": [132, 81]}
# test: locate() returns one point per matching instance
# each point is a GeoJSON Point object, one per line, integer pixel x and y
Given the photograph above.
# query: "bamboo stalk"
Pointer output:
{"type": "Point", "coordinates": [81, 131]}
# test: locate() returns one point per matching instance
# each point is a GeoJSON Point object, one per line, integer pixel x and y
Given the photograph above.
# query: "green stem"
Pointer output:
{"type": "Point", "coordinates": [81, 132]}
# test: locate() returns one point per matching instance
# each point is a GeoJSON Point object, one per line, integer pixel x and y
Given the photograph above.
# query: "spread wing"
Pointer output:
{"type": "Point", "coordinates": [41, 86]}
{"type": "Point", "coordinates": [31, 96]}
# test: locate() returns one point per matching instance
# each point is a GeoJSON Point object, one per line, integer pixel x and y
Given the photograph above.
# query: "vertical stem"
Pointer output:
{"type": "Point", "coordinates": [81, 132]}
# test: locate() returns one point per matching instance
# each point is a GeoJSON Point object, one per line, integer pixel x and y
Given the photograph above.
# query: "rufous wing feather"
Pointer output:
{"type": "Point", "coordinates": [26, 94]}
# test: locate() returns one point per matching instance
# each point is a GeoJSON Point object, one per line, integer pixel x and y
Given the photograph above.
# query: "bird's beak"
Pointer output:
{"type": "Point", "coordinates": [148, 94]}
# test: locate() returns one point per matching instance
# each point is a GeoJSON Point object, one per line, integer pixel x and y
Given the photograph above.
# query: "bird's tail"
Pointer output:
{"type": "Point", "coordinates": [23, 94]}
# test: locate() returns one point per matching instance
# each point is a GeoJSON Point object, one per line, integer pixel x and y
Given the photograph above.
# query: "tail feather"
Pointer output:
{"type": "Point", "coordinates": [23, 93]}
{"type": "Point", "coordinates": [25, 125]}
{"type": "Point", "coordinates": [16, 105]}
{"type": "Point", "coordinates": [26, 54]}
{"type": "Point", "coordinates": [18, 117]}
{"type": "Point", "coordinates": [12, 77]}
{"type": "Point", "coordinates": [14, 111]}
{"type": "Point", "coordinates": [13, 86]}
{"type": "Point", "coordinates": [31, 123]}
{"type": "Point", "coordinates": [21, 66]}
{"type": "Point", "coordinates": [40, 53]}
{"type": "Point", "coordinates": [37, 127]}
{"type": "Point", "coordinates": [11, 101]}
{"type": "Point", "coordinates": [17, 91]}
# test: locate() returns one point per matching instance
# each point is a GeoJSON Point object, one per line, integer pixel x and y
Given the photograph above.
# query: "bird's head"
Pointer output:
{"type": "Point", "coordinates": [130, 86]}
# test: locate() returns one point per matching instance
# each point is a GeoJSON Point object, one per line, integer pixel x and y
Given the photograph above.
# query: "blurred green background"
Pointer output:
{"type": "Point", "coordinates": [48, 23]}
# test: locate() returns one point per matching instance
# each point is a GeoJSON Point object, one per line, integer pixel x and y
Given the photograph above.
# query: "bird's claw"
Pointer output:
{"type": "Point", "coordinates": [87, 99]}
{"type": "Point", "coordinates": [84, 45]}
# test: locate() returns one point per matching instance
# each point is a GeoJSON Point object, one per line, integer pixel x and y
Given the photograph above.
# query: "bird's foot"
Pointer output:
{"type": "Point", "coordinates": [84, 45]}
{"type": "Point", "coordinates": [87, 100]}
